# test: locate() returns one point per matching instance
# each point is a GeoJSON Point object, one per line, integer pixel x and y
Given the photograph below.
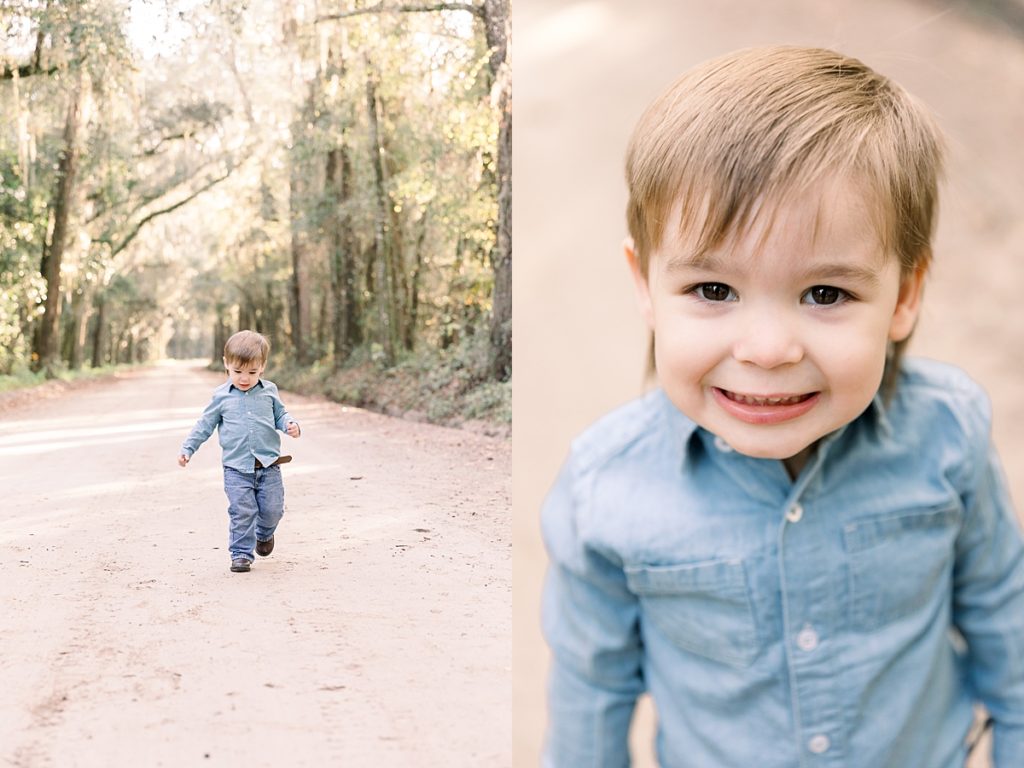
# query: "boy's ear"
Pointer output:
{"type": "Point", "coordinates": [908, 305]}
{"type": "Point", "coordinates": [643, 288]}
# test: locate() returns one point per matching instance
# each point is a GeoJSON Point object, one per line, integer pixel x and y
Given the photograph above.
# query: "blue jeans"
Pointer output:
{"type": "Point", "coordinates": [255, 507]}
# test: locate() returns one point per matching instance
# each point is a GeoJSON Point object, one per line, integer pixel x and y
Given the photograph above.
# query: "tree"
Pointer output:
{"type": "Point", "coordinates": [53, 250]}
{"type": "Point", "coordinates": [493, 16]}
{"type": "Point", "coordinates": [338, 189]}
{"type": "Point", "coordinates": [496, 23]}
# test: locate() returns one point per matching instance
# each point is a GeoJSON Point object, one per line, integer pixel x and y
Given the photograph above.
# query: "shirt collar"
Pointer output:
{"type": "Point", "coordinates": [231, 386]}
{"type": "Point", "coordinates": [877, 414]}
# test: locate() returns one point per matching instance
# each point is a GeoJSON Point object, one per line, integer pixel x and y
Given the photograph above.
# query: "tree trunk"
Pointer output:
{"type": "Point", "coordinates": [220, 336]}
{"type": "Point", "coordinates": [399, 288]}
{"type": "Point", "coordinates": [82, 310]}
{"type": "Point", "coordinates": [449, 327]}
{"type": "Point", "coordinates": [344, 319]}
{"type": "Point", "coordinates": [413, 298]}
{"type": "Point", "coordinates": [496, 28]}
{"type": "Point", "coordinates": [97, 331]}
{"type": "Point", "coordinates": [382, 280]}
{"type": "Point", "coordinates": [53, 253]}
{"type": "Point", "coordinates": [271, 319]}
{"type": "Point", "coordinates": [301, 323]}
{"type": "Point", "coordinates": [344, 316]}
{"type": "Point", "coordinates": [80, 301]}
{"type": "Point", "coordinates": [246, 315]}
{"type": "Point", "coordinates": [69, 328]}
{"type": "Point", "coordinates": [501, 257]}
{"type": "Point", "coordinates": [299, 290]}
{"type": "Point", "coordinates": [323, 323]}
{"type": "Point", "coordinates": [496, 33]}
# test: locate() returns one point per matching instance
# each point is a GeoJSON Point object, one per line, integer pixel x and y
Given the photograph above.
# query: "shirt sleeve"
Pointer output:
{"type": "Point", "coordinates": [590, 623]}
{"type": "Point", "coordinates": [203, 428]}
{"type": "Point", "coordinates": [281, 415]}
{"type": "Point", "coordinates": [988, 602]}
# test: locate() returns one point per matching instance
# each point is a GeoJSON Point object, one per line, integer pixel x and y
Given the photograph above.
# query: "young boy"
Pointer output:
{"type": "Point", "coordinates": [802, 549]}
{"type": "Point", "coordinates": [247, 412]}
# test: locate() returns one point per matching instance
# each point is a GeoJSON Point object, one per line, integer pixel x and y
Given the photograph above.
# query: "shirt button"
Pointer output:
{"type": "Point", "coordinates": [795, 513]}
{"type": "Point", "coordinates": [807, 639]}
{"type": "Point", "coordinates": [721, 445]}
{"type": "Point", "coordinates": [819, 744]}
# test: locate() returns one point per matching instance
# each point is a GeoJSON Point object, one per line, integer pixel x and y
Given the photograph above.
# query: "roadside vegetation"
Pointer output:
{"type": "Point", "coordinates": [336, 176]}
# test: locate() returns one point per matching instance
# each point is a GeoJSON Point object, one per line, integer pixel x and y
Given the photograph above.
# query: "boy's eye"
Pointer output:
{"type": "Point", "coordinates": [715, 292]}
{"type": "Point", "coordinates": [824, 295]}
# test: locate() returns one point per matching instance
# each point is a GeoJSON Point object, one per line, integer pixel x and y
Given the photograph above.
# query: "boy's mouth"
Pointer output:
{"type": "Point", "coordinates": [765, 399]}
{"type": "Point", "coordinates": [765, 409]}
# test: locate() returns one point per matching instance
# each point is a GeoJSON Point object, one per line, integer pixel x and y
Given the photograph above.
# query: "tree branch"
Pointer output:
{"type": "Point", "coordinates": [144, 199]}
{"type": "Point", "coordinates": [25, 70]}
{"type": "Point", "coordinates": [149, 217]}
{"type": "Point", "coordinates": [163, 140]}
{"type": "Point", "coordinates": [476, 10]}
{"type": "Point", "coordinates": [35, 68]}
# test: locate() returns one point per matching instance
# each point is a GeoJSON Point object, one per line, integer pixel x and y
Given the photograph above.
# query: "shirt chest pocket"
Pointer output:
{"type": "Point", "coordinates": [704, 607]}
{"type": "Point", "coordinates": [254, 407]}
{"type": "Point", "coordinates": [897, 563]}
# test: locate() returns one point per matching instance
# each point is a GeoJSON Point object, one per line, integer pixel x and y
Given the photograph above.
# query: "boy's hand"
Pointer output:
{"type": "Point", "coordinates": [182, 460]}
{"type": "Point", "coordinates": [293, 429]}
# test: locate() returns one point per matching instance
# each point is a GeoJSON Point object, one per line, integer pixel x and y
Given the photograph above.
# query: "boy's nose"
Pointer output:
{"type": "Point", "coordinates": [768, 340]}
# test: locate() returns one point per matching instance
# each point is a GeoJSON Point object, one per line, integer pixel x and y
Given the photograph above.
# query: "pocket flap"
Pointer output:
{"type": "Point", "coordinates": [872, 531]}
{"type": "Point", "coordinates": [689, 577]}
{"type": "Point", "coordinates": [704, 607]}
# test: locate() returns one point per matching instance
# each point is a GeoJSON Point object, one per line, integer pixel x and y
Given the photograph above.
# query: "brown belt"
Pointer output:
{"type": "Point", "coordinates": [280, 460]}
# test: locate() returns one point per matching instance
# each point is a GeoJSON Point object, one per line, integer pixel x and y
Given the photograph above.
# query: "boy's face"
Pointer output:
{"type": "Point", "coordinates": [244, 375]}
{"type": "Point", "coordinates": [779, 337]}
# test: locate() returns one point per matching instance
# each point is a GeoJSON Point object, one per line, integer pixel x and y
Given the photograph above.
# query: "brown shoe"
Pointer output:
{"type": "Point", "coordinates": [264, 548]}
{"type": "Point", "coordinates": [241, 565]}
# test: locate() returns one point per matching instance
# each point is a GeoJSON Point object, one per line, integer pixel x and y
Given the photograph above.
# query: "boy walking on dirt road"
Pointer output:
{"type": "Point", "coordinates": [800, 546]}
{"type": "Point", "coordinates": [247, 412]}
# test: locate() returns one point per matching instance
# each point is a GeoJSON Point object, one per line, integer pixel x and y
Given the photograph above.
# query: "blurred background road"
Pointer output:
{"type": "Point", "coordinates": [584, 71]}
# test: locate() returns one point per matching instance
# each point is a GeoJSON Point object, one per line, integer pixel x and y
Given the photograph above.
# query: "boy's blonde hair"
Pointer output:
{"type": "Point", "coordinates": [247, 347]}
{"type": "Point", "coordinates": [737, 135]}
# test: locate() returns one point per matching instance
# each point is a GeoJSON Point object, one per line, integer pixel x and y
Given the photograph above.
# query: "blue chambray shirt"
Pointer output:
{"type": "Point", "coordinates": [246, 424]}
{"type": "Point", "coordinates": [848, 618]}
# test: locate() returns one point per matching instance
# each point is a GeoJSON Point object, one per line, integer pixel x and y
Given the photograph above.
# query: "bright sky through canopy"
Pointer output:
{"type": "Point", "coordinates": [157, 26]}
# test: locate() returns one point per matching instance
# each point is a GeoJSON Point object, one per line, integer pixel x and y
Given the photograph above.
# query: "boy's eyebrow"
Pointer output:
{"type": "Point", "coordinates": [704, 261]}
{"type": "Point", "coordinates": [857, 272]}
{"type": "Point", "coordinates": [709, 262]}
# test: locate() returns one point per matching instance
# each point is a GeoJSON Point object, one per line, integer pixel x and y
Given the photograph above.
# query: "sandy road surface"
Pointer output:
{"type": "Point", "coordinates": [377, 634]}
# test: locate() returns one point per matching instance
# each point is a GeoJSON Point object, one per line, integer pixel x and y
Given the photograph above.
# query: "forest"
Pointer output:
{"type": "Point", "coordinates": [335, 175]}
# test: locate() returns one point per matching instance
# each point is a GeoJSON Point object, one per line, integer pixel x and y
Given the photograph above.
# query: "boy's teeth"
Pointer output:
{"type": "Point", "coordinates": [748, 400]}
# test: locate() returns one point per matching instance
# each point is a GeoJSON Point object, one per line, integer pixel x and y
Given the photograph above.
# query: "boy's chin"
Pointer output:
{"type": "Point", "coordinates": [760, 450]}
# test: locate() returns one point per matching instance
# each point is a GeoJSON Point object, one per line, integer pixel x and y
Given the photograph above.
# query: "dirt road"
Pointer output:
{"type": "Point", "coordinates": [377, 634]}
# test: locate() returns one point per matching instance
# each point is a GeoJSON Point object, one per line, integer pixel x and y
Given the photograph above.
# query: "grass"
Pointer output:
{"type": "Point", "coordinates": [22, 378]}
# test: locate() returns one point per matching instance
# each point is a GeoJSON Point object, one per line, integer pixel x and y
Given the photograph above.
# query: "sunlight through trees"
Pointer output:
{"type": "Point", "coordinates": [337, 177]}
